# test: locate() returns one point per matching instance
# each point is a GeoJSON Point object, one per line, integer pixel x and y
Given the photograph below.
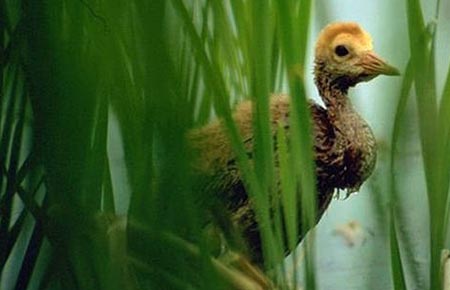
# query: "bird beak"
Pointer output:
{"type": "Point", "coordinates": [373, 65]}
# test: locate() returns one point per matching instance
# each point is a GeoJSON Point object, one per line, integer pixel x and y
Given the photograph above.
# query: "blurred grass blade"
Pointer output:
{"type": "Point", "coordinates": [289, 200]}
{"type": "Point", "coordinates": [444, 127]}
{"type": "Point", "coordinates": [293, 14]}
{"type": "Point", "coordinates": [30, 258]}
{"type": "Point", "coordinates": [422, 62]}
{"type": "Point", "coordinates": [10, 146]}
{"type": "Point", "coordinates": [396, 260]}
{"type": "Point", "coordinates": [260, 59]}
{"type": "Point", "coordinates": [108, 194]}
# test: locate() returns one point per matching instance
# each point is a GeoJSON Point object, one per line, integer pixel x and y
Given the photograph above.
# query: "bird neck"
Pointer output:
{"type": "Point", "coordinates": [333, 91]}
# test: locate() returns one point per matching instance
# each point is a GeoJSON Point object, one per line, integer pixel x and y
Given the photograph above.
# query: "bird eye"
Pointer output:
{"type": "Point", "coordinates": [341, 50]}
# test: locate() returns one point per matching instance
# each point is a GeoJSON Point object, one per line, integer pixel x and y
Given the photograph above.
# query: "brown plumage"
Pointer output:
{"type": "Point", "coordinates": [344, 145]}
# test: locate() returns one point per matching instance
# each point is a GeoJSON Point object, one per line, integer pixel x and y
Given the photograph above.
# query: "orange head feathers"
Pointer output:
{"type": "Point", "coordinates": [344, 49]}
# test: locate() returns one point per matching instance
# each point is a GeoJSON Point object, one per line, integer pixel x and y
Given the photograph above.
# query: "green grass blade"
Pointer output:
{"type": "Point", "coordinates": [294, 50]}
{"type": "Point", "coordinates": [92, 179]}
{"type": "Point", "coordinates": [396, 261]}
{"type": "Point", "coordinates": [289, 199]}
{"type": "Point", "coordinates": [260, 59]}
{"type": "Point", "coordinates": [108, 193]}
{"type": "Point", "coordinates": [444, 127]}
{"type": "Point", "coordinates": [422, 62]}
{"type": "Point", "coordinates": [10, 146]}
{"type": "Point", "coordinates": [30, 258]}
{"type": "Point", "coordinates": [419, 39]}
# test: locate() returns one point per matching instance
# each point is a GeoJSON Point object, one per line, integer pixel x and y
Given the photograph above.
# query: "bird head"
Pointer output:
{"type": "Point", "coordinates": [345, 52]}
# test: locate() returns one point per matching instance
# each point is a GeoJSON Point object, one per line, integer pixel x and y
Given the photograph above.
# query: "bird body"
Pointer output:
{"type": "Point", "coordinates": [344, 145]}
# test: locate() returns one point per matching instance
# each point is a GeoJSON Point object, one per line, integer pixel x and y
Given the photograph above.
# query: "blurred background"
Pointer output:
{"type": "Point", "coordinates": [97, 97]}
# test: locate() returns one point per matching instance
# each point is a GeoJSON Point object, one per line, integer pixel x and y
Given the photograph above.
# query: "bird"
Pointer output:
{"type": "Point", "coordinates": [344, 146]}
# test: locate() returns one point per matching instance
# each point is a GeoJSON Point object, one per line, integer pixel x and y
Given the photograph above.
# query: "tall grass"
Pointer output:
{"type": "Point", "coordinates": [433, 119]}
{"type": "Point", "coordinates": [78, 64]}
{"type": "Point", "coordinates": [73, 70]}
